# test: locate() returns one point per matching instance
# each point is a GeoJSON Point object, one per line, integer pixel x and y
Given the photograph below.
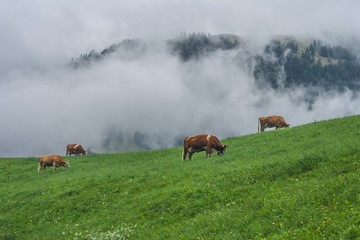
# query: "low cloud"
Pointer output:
{"type": "Point", "coordinates": [156, 94]}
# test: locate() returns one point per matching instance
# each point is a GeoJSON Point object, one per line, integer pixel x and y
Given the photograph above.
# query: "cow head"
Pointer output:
{"type": "Point", "coordinates": [66, 164]}
{"type": "Point", "coordinates": [222, 150]}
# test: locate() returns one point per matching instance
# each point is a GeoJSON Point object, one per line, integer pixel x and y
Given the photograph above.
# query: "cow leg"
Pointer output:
{"type": "Point", "coordinates": [263, 128]}
{"type": "Point", "coordinates": [208, 152]}
{"type": "Point", "coordinates": [184, 154]}
{"type": "Point", "coordinates": [190, 152]}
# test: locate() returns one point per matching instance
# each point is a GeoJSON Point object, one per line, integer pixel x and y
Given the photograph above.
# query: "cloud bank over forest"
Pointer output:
{"type": "Point", "coordinates": [45, 104]}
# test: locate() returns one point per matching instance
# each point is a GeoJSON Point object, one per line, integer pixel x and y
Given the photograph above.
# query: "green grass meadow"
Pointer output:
{"type": "Point", "coordinates": [297, 183]}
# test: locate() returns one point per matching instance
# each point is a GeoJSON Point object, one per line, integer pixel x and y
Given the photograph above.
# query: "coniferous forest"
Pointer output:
{"type": "Point", "coordinates": [284, 63]}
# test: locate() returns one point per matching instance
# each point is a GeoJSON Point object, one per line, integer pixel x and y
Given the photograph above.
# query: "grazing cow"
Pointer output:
{"type": "Point", "coordinates": [270, 122]}
{"type": "Point", "coordinates": [202, 142]}
{"type": "Point", "coordinates": [51, 160]}
{"type": "Point", "coordinates": [75, 149]}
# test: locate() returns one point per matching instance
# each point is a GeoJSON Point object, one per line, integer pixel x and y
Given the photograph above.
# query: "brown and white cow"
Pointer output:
{"type": "Point", "coordinates": [202, 142]}
{"type": "Point", "coordinates": [270, 122]}
{"type": "Point", "coordinates": [51, 160]}
{"type": "Point", "coordinates": [74, 148]}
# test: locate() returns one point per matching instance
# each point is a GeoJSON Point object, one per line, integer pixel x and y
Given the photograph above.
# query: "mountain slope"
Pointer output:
{"type": "Point", "coordinates": [290, 63]}
{"type": "Point", "coordinates": [301, 183]}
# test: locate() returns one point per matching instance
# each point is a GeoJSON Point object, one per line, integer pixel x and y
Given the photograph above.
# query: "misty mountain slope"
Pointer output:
{"type": "Point", "coordinates": [186, 47]}
{"type": "Point", "coordinates": [127, 49]}
{"type": "Point", "coordinates": [195, 46]}
{"type": "Point", "coordinates": [289, 64]}
{"type": "Point", "coordinates": [284, 63]}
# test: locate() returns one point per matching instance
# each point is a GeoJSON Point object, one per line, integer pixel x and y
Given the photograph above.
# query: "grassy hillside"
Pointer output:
{"type": "Point", "coordinates": [296, 183]}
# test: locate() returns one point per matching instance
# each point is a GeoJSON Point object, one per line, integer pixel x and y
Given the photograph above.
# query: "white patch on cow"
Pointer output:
{"type": "Point", "coordinates": [76, 146]}
{"type": "Point", "coordinates": [208, 137]}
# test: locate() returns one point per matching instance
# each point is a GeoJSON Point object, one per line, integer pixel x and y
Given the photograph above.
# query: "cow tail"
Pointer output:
{"type": "Point", "coordinates": [258, 124]}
